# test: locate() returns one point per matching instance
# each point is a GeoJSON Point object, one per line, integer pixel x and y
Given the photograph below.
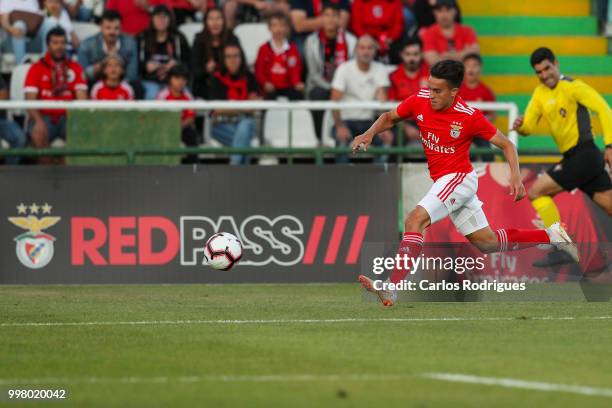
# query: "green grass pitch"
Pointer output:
{"type": "Point", "coordinates": [304, 352]}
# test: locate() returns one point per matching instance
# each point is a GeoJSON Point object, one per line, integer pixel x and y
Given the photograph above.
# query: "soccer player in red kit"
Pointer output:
{"type": "Point", "coordinates": [447, 126]}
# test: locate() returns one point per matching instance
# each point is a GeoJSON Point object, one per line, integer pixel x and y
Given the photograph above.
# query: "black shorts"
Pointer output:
{"type": "Point", "coordinates": [582, 167]}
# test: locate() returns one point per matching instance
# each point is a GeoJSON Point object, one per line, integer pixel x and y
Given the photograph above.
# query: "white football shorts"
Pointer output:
{"type": "Point", "coordinates": [454, 195]}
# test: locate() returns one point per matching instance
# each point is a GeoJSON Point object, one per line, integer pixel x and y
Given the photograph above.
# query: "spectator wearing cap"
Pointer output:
{"type": "Point", "coordinates": [112, 87]}
{"type": "Point", "coordinates": [135, 13]}
{"type": "Point", "coordinates": [306, 17]}
{"type": "Point", "coordinates": [161, 47]}
{"type": "Point", "coordinates": [234, 82]}
{"type": "Point", "coordinates": [278, 67]}
{"type": "Point", "coordinates": [109, 40]}
{"type": "Point", "coordinates": [408, 79]}
{"type": "Point", "coordinates": [382, 19]}
{"type": "Point", "coordinates": [359, 80]}
{"type": "Point", "coordinates": [423, 12]}
{"type": "Point", "coordinates": [178, 77]}
{"type": "Point", "coordinates": [447, 39]}
{"type": "Point", "coordinates": [53, 78]}
{"type": "Point", "coordinates": [207, 52]}
{"type": "Point", "coordinates": [324, 51]}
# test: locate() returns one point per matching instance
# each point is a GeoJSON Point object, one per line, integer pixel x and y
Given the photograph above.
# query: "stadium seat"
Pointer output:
{"type": "Point", "coordinates": [16, 87]}
{"type": "Point", "coordinates": [326, 133]}
{"type": "Point", "coordinates": [189, 30]}
{"type": "Point", "coordinates": [85, 30]}
{"type": "Point", "coordinates": [276, 128]}
{"type": "Point", "coordinates": [252, 36]}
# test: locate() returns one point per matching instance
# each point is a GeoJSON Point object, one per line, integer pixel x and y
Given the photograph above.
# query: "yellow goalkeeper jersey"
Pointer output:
{"type": "Point", "coordinates": [566, 109]}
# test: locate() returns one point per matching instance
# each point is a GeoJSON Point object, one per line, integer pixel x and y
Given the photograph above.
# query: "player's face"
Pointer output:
{"type": "Point", "coordinates": [441, 93]}
{"type": "Point", "coordinates": [110, 30]}
{"type": "Point", "coordinates": [472, 70]}
{"type": "Point", "coordinates": [57, 47]}
{"type": "Point", "coordinates": [412, 57]}
{"type": "Point", "coordinates": [214, 22]}
{"type": "Point", "coordinates": [113, 70]}
{"type": "Point", "coordinates": [548, 73]}
{"type": "Point", "coordinates": [331, 20]}
{"type": "Point", "coordinates": [445, 16]}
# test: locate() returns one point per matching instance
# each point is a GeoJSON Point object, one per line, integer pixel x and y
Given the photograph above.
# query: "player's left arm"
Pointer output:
{"type": "Point", "coordinates": [593, 101]}
{"type": "Point", "coordinates": [517, 189]}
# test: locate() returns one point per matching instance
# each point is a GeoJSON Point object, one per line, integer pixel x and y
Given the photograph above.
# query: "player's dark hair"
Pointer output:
{"type": "Point", "coordinates": [451, 71]}
{"type": "Point", "coordinates": [110, 15]}
{"type": "Point", "coordinates": [55, 32]}
{"type": "Point", "coordinates": [474, 56]}
{"type": "Point", "coordinates": [541, 54]}
{"type": "Point", "coordinates": [411, 41]}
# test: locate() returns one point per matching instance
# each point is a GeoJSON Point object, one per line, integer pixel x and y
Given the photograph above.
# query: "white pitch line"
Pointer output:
{"type": "Point", "coordinates": [296, 321]}
{"type": "Point", "coordinates": [521, 384]}
{"type": "Point", "coordinates": [208, 378]}
{"type": "Point", "coordinates": [278, 378]}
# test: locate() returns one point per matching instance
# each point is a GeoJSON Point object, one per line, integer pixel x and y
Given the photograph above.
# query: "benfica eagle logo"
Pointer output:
{"type": "Point", "coordinates": [35, 247]}
{"type": "Point", "coordinates": [455, 130]}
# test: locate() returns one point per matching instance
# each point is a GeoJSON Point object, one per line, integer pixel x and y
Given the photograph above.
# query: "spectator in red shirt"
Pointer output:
{"type": "Point", "coordinates": [53, 78]}
{"type": "Point", "coordinates": [177, 91]}
{"type": "Point", "coordinates": [408, 79]}
{"type": "Point", "coordinates": [382, 19]}
{"type": "Point", "coordinates": [447, 39]}
{"type": "Point", "coordinates": [306, 17]}
{"type": "Point", "coordinates": [135, 15]}
{"type": "Point", "coordinates": [473, 90]}
{"type": "Point", "coordinates": [112, 86]}
{"type": "Point", "coordinates": [278, 67]}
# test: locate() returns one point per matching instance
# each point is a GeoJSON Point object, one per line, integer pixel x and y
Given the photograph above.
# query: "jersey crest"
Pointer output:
{"type": "Point", "coordinates": [456, 130]}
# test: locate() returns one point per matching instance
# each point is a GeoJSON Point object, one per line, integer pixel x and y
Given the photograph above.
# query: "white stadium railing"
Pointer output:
{"type": "Point", "coordinates": [207, 106]}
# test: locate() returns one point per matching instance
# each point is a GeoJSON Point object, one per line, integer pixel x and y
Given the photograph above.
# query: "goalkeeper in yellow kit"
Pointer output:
{"type": "Point", "coordinates": [565, 104]}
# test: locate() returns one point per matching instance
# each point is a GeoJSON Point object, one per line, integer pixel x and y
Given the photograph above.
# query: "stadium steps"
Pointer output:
{"type": "Point", "coordinates": [524, 45]}
{"type": "Point", "coordinates": [557, 8]}
{"type": "Point", "coordinates": [508, 31]}
{"type": "Point", "coordinates": [528, 25]}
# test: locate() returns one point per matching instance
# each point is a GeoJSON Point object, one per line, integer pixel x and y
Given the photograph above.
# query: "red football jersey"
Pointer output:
{"type": "Point", "coordinates": [434, 40]}
{"type": "Point", "coordinates": [446, 135]}
{"type": "Point", "coordinates": [402, 86]}
{"type": "Point", "coordinates": [166, 95]}
{"type": "Point", "coordinates": [41, 80]}
{"type": "Point", "coordinates": [481, 93]}
{"type": "Point", "coordinates": [122, 92]}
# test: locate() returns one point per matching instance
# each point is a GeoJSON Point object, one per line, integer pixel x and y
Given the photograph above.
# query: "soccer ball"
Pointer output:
{"type": "Point", "coordinates": [222, 251]}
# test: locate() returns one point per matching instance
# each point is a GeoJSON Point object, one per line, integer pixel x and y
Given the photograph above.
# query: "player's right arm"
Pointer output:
{"type": "Point", "coordinates": [385, 122]}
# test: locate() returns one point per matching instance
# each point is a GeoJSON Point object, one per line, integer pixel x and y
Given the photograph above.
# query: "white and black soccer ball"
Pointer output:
{"type": "Point", "coordinates": [222, 251]}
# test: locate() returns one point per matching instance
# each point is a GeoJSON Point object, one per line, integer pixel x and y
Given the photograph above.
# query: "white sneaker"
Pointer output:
{"type": "Point", "coordinates": [560, 239]}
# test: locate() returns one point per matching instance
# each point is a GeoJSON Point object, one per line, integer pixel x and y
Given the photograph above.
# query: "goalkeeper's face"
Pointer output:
{"type": "Point", "coordinates": [548, 73]}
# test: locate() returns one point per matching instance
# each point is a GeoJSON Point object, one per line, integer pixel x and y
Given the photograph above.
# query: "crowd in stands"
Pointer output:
{"type": "Point", "coordinates": [341, 50]}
